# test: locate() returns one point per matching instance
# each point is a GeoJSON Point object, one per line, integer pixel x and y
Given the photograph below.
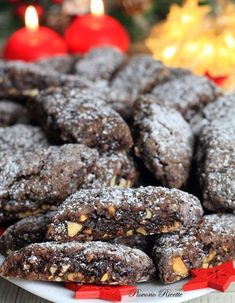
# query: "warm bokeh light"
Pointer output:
{"type": "Point", "coordinates": [192, 38]}
{"type": "Point", "coordinates": [169, 52]}
{"type": "Point", "coordinates": [31, 18]}
{"type": "Point", "coordinates": [97, 7]}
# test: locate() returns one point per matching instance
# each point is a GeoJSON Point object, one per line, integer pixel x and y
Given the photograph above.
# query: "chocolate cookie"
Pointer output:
{"type": "Point", "coordinates": [20, 79]}
{"type": "Point", "coordinates": [138, 76]}
{"type": "Point", "coordinates": [92, 262]}
{"type": "Point", "coordinates": [80, 116]}
{"type": "Point", "coordinates": [223, 109]}
{"type": "Point", "coordinates": [108, 213]}
{"type": "Point", "coordinates": [21, 136]}
{"type": "Point", "coordinates": [112, 169]}
{"type": "Point", "coordinates": [26, 231]}
{"type": "Point", "coordinates": [209, 243]}
{"type": "Point", "coordinates": [12, 113]}
{"type": "Point", "coordinates": [32, 182]}
{"type": "Point", "coordinates": [63, 64]}
{"type": "Point", "coordinates": [216, 165]}
{"type": "Point", "coordinates": [100, 63]}
{"type": "Point", "coordinates": [188, 94]}
{"type": "Point", "coordinates": [164, 141]}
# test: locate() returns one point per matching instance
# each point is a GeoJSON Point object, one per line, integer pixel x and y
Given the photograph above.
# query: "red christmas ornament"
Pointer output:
{"type": "Point", "coordinates": [109, 293]}
{"type": "Point", "coordinates": [218, 277]}
{"type": "Point", "coordinates": [2, 229]}
{"type": "Point", "coordinates": [219, 81]}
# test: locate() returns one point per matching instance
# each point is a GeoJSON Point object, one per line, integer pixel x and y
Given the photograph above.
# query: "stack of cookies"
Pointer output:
{"type": "Point", "coordinates": [114, 170]}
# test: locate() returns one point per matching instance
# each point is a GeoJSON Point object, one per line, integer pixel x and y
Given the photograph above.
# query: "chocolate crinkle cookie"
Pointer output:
{"type": "Point", "coordinates": [208, 244]}
{"type": "Point", "coordinates": [138, 76]}
{"type": "Point", "coordinates": [115, 168]}
{"type": "Point", "coordinates": [80, 116]}
{"type": "Point", "coordinates": [222, 110]}
{"type": "Point", "coordinates": [91, 262]}
{"type": "Point", "coordinates": [19, 136]}
{"type": "Point", "coordinates": [216, 165]}
{"type": "Point", "coordinates": [164, 141]}
{"type": "Point", "coordinates": [19, 79]}
{"type": "Point", "coordinates": [33, 181]}
{"type": "Point", "coordinates": [24, 232]}
{"type": "Point", "coordinates": [63, 64]}
{"type": "Point", "coordinates": [12, 113]}
{"type": "Point", "coordinates": [188, 94]}
{"type": "Point", "coordinates": [107, 213]}
{"type": "Point", "coordinates": [100, 63]}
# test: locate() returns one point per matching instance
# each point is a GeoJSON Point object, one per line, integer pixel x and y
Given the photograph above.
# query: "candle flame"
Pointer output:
{"type": "Point", "coordinates": [97, 7]}
{"type": "Point", "coordinates": [31, 18]}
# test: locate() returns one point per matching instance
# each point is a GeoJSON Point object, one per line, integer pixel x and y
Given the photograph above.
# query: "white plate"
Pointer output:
{"type": "Point", "coordinates": [150, 292]}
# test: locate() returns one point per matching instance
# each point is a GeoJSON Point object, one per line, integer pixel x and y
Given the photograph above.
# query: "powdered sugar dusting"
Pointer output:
{"type": "Point", "coordinates": [21, 137]}
{"type": "Point", "coordinates": [164, 141]}
{"type": "Point", "coordinates": [130, 205]}
{"type": "Point", "coordinates": [216, 165]}
{"type": "Point", "coordinates": [81, 116]}
{"type": "Point", "coordinates": [43, 177]}
{"type": "Point", "coordinates": [99, 63]}
{"type": "Point", "coordinates": [188, 94]}
{"type": "Point", "coordinates": [210, 242]}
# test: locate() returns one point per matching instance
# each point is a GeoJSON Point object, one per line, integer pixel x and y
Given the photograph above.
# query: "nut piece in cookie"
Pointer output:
{"type": "Point", "coordinates": [91, 262]}
{"type": "Point", "coordinates": [81, 116]}
{"type": "Point", "coordinates": [100, 63]}
{"type": "Point", "coordinates": [188, 94]}
{"type": "Point", "coordinates": [26, 231]}
{"type": "Point", "coordinates": [119, 212]}
{"type": "Point", "coordinates": [208, 244]}
{"type": "Point", "coordinates": [12, 113]}
{"type": "Point", "coordinates": [34, 181]}
{"type": "Point", "coordinates": [216, 165]}
{"type": "Point", "coordinates": [164, 141]}
{"type": "Point", "coordinates": [19, 136]}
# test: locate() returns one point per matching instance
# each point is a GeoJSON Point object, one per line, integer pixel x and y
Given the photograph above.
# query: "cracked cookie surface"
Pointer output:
{"type": "Point", "coordinates": [107, 213]}
{"type": "Point", "coordinates": [90, 262]}
{"type": "Point", "coordinates": [216, 165]}
{"type": "Point", "coordinates": [164, 141]}
{"type": "Point", "coordinates": [188, 94]}
{"type": "Point", "coordinates": [100, 63]}
{"type": "Point", "coordinates": [209, 243]}
{"type": "Point", "coordinates": [19, 79]}
{"type": "Point", "coordinates": [35, 181]}
{"type": "Point", "coordinates": [24, 232]}
{"type": "Point", "coordinates": [80, 116]}
{"type": "Point", "coordinates": [138, 76]}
